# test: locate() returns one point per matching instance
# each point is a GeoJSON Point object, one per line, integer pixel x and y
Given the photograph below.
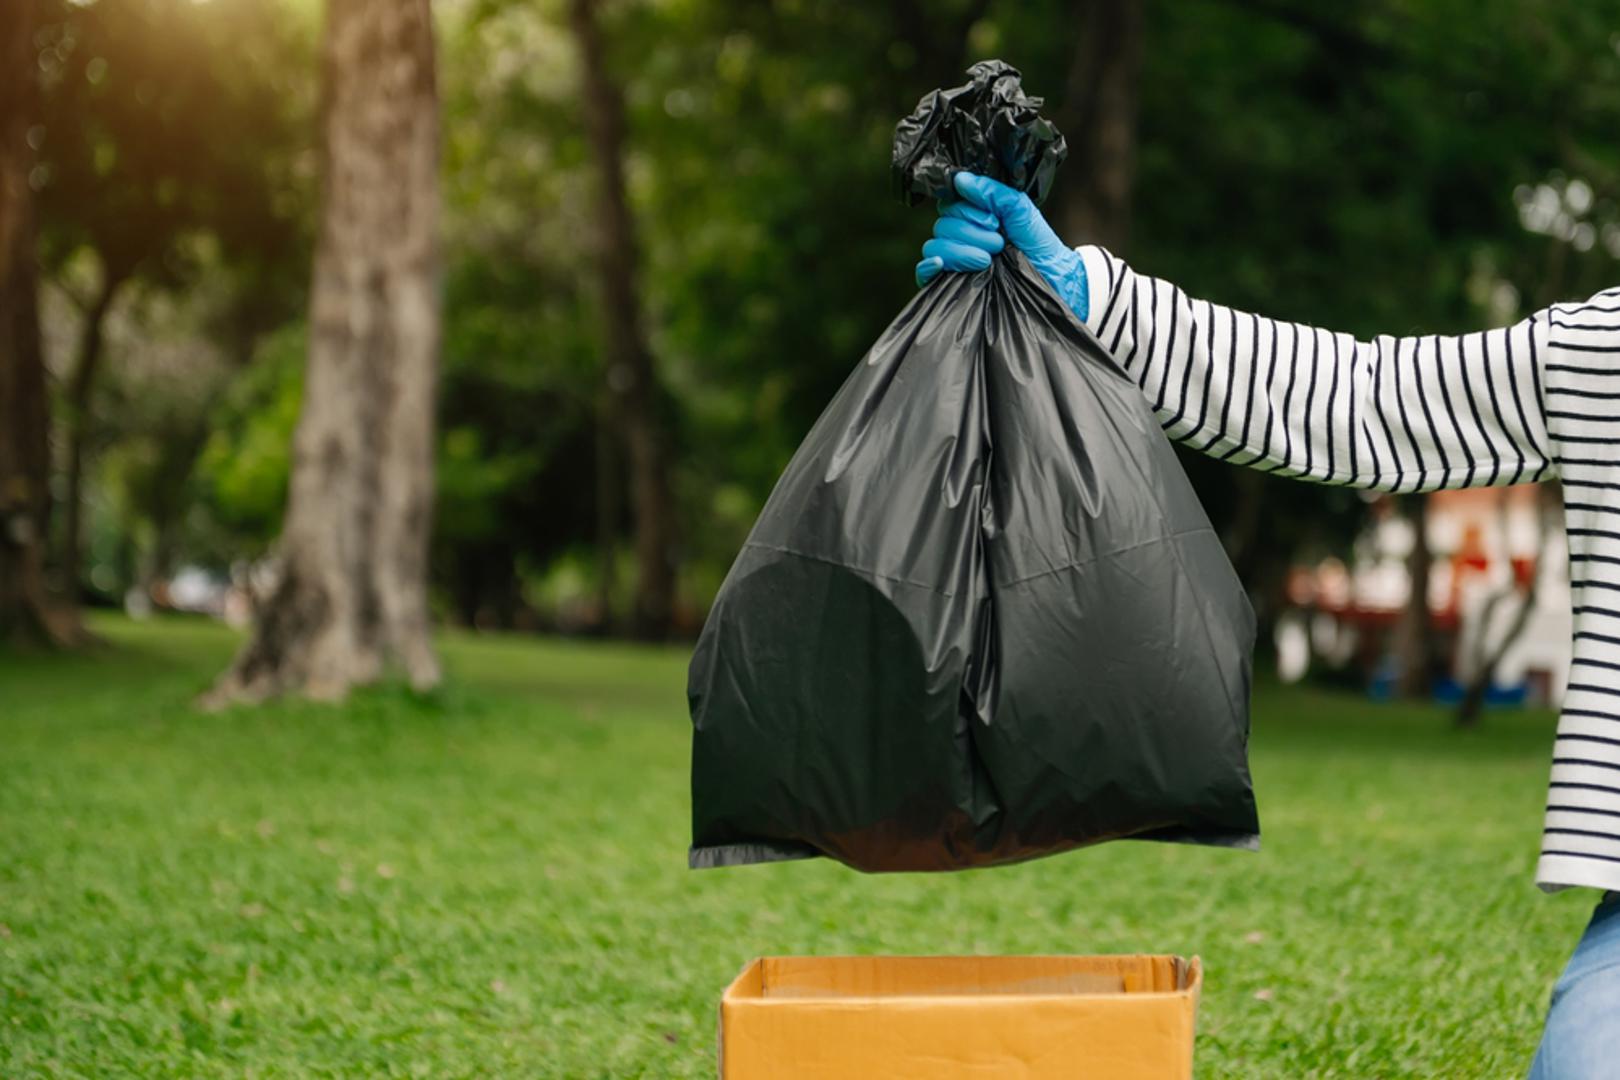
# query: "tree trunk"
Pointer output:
{"type": "Point", "coordinates": [609, 481]}
{"type": "Point", "coordinates": [81, 392]}
{"type": "Point", "coordinates": [177, 463]}
{"type": "Point", "coordinates": [1472, 706]}
{"type": "Point", "coordinates": [238, 331]}
{"type": "Point", "coordinates": [938, 39]}
{"type": "Point", "coordinates": [1414, 641]}
{"type": "Point", "coordinates": [631, 379]}
{"type": "Point", "coordinates": [26, 612]}
{"type": "Point", "coordinates": [1099, 121]}
{"type": "Point", "coordinates": [352, 591]}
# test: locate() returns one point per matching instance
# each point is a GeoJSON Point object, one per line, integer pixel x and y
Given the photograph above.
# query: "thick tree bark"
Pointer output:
{"type": "Point", "coordinates": [630, 375]}
{"type": "Point", "coordinates": [81, 395]}
{"type": "Point", "coordinates": [352, 593]}
{"type": "Point", "coordinates": [1414, 640]}
{"type": "Point", "coordinates": [1099, 121]}
{"type": "Point", "coordinates": [26, 611]}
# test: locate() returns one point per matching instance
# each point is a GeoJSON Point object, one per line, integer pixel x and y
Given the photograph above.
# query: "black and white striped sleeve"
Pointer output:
{"type": "Point", "coordinates": [1395, 414]}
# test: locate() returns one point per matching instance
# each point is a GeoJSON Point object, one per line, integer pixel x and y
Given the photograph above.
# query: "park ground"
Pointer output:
{"type": "Point", "coordinates": [492, 881]}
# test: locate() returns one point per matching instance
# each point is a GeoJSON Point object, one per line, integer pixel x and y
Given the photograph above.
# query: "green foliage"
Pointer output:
{"type": "Point", "coordinates": [1378, 166]}
{"type": "Point", "coordinates": [171, 186]}
{"type": "Point", "coordinates": [765, 227]}
{"type": "Point", "coordinates": [473, 482]}
{"type": "Point", "coordinates": [165, 117]}
{"type": "Point", "coordinates": [776, 250]}
{"type": "Point", "coordinates": [1349, 168]}
{"type": "Point", "coordinates": [1355, 168]}
{"type": "Point", "coordinates": [492, 881]}
{"type": "Point", "coordinates": [245, 464]}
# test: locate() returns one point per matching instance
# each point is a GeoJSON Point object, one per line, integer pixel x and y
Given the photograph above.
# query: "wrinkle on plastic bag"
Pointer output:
{"type": "Point", "coordinates": [986, 126]}
{"type": "Point", "coordinates": [982, 617]}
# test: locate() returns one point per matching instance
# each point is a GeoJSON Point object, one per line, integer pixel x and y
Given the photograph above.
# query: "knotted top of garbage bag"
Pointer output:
{"type": "Point", "coordinates": [988, 126]}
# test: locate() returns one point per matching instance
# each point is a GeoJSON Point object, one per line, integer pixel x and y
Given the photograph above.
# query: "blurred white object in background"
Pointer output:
{"type": "Point", "coordinates": [1293, 646]}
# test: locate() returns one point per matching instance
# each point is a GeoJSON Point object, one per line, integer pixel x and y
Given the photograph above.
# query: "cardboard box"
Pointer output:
{"type": "Point", "coordinates": [946, 1017]}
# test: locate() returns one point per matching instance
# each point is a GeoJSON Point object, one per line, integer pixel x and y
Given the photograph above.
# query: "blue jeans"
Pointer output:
{"type": "Point", "coordinates": [1582, 1039]}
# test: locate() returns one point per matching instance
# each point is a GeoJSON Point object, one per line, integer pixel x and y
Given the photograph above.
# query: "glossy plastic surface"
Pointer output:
{"type": "Point", "coordinates": [982, 618]}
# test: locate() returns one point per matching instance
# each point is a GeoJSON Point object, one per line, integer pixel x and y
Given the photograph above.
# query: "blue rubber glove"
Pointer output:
{"type": "Point", "coordinates": [959, 239]}
{"type": "Point", "coordinates": [965, 237]}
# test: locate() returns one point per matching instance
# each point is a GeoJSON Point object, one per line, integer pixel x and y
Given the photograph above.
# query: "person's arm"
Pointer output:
{"type": "Point", "coordinates": [1396, 414]}
{"type": "Point", "coordinates": [1393, 413]}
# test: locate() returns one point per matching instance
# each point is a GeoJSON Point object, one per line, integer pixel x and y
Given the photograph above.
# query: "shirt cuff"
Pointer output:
{"type": "Point", "coordinates": [1100, 281]}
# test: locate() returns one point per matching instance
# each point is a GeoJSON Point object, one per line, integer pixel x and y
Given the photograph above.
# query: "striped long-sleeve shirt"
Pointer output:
{"type": "Point", "coordinates": [1532, 401]}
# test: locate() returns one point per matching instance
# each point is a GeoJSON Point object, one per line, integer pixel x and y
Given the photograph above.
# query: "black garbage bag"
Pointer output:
{"type": "Point", "coordinates": [982, 618]}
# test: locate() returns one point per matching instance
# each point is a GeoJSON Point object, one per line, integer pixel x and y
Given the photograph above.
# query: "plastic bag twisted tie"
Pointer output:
{"type": "Point", "coordinates": [987, 126]}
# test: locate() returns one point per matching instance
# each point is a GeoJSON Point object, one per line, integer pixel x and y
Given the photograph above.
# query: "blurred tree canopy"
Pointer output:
{"type": "Point", "coordinates": [168, 161]}
{"type": "Point", "coordinates": [1377, 166]}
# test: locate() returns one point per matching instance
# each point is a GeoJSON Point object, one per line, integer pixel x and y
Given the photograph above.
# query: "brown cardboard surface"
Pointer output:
{"type": "Point", "coordinates": [948, 1017]}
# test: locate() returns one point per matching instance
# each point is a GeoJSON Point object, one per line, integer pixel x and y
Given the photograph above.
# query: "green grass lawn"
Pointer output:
{"type": "Point", "coordinates": [494, 882]}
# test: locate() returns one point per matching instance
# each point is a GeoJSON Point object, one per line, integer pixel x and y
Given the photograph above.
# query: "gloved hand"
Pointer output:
{"type": "Point", "coordinates": [964, 239]}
